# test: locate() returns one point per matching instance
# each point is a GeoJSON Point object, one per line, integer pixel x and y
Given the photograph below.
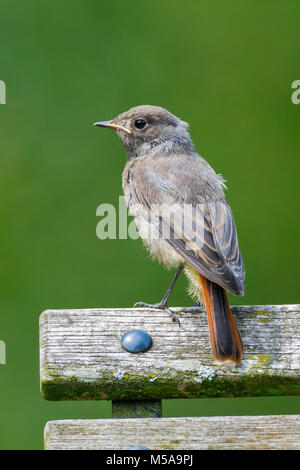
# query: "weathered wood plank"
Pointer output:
{"type": "Point", "coordinates": [82, 358]}
{"type": "Point", "coordinates": [221, 432]}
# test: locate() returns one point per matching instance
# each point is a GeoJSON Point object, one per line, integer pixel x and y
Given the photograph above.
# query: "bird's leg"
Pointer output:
{"type": "Point", "coordinates": [163, 304]}
{"type": "Point", "coordinates": [164, 301]}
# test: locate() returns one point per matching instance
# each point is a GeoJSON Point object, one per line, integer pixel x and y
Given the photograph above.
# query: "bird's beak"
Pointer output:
{"type": "Point", "coordinates": [112, 125]}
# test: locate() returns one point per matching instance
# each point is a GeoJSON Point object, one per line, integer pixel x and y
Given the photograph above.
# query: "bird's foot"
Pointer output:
{"type": "Point", "coordinates": [160, 306]}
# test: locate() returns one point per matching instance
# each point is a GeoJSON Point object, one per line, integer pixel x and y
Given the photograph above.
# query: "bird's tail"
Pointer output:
{"type": "Point", "coordinates": [226, 343]}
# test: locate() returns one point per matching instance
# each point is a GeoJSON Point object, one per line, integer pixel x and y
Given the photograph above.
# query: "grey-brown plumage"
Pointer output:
{"type": "Point", "coordinates": [166, 181]}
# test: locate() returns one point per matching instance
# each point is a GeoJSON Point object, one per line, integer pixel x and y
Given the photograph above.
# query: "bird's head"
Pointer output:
{"type": "Point", "coordinates": [145, 127]}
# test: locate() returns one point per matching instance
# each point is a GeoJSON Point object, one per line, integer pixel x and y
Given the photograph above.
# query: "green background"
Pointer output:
{"type": "Point", "coordinates": [225, 67]}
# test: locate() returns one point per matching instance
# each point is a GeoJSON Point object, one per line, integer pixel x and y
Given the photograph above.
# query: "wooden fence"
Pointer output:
{"type": "Point", "coordinates": [82, 359]}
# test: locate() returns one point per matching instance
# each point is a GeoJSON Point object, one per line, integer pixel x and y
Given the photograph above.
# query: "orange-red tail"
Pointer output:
{"type": "Point", "coordinates": [226, 343]}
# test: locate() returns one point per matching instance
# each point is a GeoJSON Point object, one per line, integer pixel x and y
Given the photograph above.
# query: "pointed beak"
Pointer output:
{"type": "Point", "coordinates": [112, 125]}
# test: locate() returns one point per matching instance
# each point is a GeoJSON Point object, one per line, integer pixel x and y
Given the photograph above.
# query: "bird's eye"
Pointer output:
{"type": "Point", "coordinates": [140, 124]}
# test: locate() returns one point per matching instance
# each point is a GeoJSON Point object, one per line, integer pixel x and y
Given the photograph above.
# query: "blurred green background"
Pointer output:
{"type": "Point", "coordinates": [225, 67]}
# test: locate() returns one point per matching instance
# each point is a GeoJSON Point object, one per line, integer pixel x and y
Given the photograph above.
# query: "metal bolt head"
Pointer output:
{"type": "Point", "coordinates": [138, 447]}
{"type": "Point", "coordinates": [136, 341]}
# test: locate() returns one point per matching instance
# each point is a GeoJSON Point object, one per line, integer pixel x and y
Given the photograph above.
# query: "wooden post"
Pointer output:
{"type": "Point", "coordinates": [137, 409]}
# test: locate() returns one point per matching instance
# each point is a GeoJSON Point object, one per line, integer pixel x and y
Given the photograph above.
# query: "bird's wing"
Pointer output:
{"type": "Point", "coordinates": [204, 234]}
{"type": "Point", "coordinates": [211, 245]}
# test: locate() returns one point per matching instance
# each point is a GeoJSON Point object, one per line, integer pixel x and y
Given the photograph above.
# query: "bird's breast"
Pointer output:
{"type": "Point", "coordinates": [148, 230]}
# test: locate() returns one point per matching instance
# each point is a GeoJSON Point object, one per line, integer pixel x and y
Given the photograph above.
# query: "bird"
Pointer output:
{"type": "Point", "coordinates": [182, 217]}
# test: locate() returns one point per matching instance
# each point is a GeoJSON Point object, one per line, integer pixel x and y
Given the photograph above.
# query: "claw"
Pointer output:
{"type": "Point", "coordinates": [172, 315]}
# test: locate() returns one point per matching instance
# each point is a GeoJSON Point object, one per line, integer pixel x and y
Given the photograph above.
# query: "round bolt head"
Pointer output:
{"type": "Point", "coordinates": [136, 341]}
{"type": "Point", "coordinates": [138, 447]}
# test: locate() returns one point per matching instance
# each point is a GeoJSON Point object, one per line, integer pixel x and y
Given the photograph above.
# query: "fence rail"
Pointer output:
{"type": "Point", "coordinates": [82, 357]}
{"type": "Point", "coordinates": [220, 432]}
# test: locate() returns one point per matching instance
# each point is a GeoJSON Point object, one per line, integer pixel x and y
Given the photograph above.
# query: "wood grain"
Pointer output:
{"type": "Point", "coordinates": [82, 358]}
{"type": "Point", "coordinates": [225, 432]}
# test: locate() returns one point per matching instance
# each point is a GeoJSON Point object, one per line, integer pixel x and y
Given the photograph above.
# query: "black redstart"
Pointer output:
{"type": "Point", "coordinates": [182, 216]}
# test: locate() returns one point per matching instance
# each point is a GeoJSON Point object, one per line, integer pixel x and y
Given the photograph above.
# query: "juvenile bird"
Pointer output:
{"type": "Point", "coordinates": [182, 216]}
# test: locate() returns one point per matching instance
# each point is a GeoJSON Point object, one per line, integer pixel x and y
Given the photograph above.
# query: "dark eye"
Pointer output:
{"type": "Point", "coordinates": [140, 124]}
